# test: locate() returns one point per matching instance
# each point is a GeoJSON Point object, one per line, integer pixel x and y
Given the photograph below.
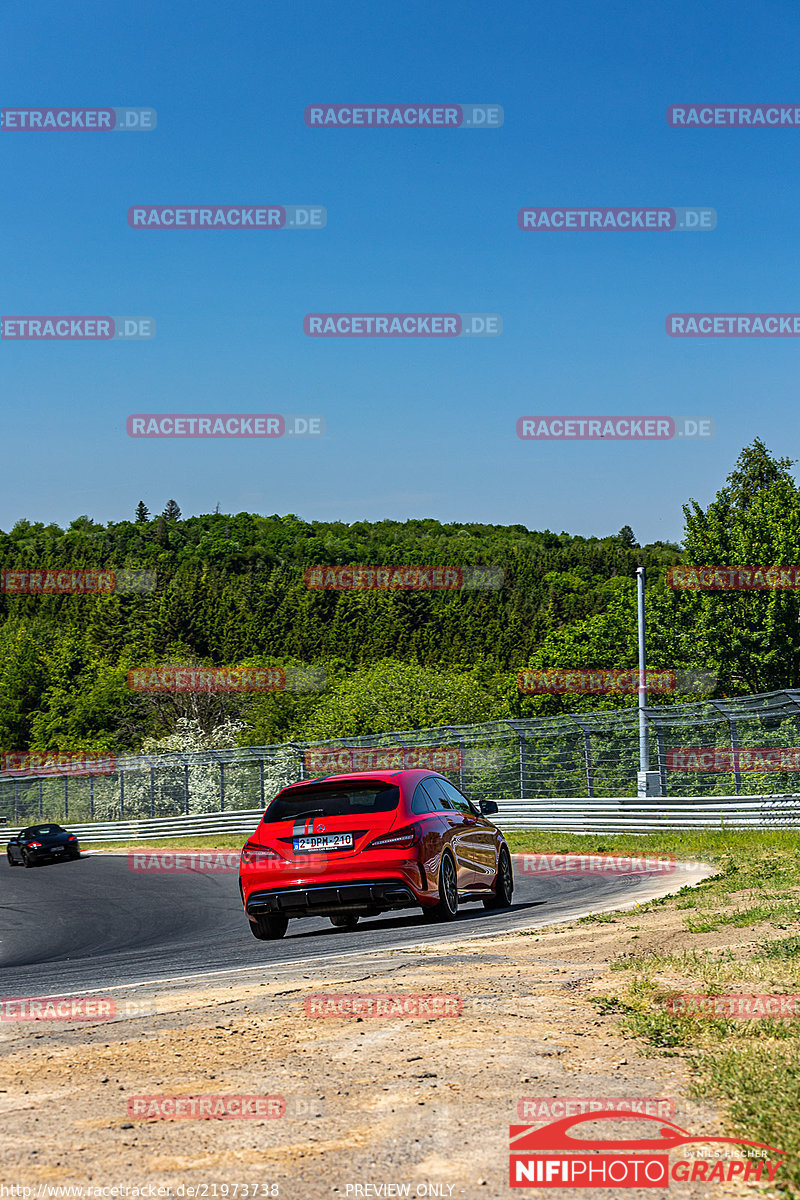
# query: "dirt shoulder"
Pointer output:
{"type": "Point", "coordinates": [376, 1100]}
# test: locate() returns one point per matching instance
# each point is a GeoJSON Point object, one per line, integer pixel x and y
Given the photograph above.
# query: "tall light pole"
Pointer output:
{"type": "Point", "coordinates": [644, 748]}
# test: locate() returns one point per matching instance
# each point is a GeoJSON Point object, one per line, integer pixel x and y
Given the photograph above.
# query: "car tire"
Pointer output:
{"type": "Point", "coordinates": [11, 862]}
{"type": "Point", "coordinates": [504, 883]}
{"type": "Point", "coordinates": [446, 909]}
{"type": "Point", "coordinates": [344, 920]}
{"type": "Point", "coordinates": [75, 854]}
{"type": "Point", "coordinates": [27, 860]}
{"type": "Point", "coordinates": [270, 927]}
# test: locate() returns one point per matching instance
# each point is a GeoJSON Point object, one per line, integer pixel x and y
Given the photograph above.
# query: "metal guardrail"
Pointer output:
{"type": "Point", "coordinates": [626, 815]}
{"type": "Point", "coordinates": [561, 815]}
{"type": "Point", "coordinates": [242, 821]}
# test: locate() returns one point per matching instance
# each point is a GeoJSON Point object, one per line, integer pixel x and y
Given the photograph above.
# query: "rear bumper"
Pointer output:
{"type": "Point", "coordinates": [379, 895]}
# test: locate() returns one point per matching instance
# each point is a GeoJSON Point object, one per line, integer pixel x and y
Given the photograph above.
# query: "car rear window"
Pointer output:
{"type": "Point", "coordinates": [336, 800]}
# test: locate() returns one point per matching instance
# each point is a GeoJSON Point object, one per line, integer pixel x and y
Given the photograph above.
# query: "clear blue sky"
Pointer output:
{"type": "Point", "coordinates": [417, 221]}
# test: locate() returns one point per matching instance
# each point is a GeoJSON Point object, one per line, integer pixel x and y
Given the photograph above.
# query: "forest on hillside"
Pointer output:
{"type": "Point", "coordinates": [230, 591]}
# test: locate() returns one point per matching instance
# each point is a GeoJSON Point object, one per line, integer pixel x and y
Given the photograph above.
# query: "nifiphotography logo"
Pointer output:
{"type": "Point", "coordinates": [551, 1156]}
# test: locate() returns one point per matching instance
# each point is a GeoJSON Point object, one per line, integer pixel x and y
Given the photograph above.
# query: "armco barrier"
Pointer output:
{"type": "Point", "coordinates": [243, 822]}
{"type": "Point", "coordinates": [562, 815]}
{"type": "Point", "coordinates": [632, 815]}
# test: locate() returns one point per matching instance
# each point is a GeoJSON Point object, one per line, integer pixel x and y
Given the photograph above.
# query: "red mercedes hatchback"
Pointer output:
{"type": "Point", "coordinates": [350, 846]}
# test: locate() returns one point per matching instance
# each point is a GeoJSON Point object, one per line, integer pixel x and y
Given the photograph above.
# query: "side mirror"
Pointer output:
{"type": "Point", "coordinates": [488, 807]}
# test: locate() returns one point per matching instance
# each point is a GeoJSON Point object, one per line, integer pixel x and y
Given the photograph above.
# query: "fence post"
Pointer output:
{"type": "Point", "coordinates": [16, 801]}
{"type": "Point", "coordinates": [737, 774]}
{"type": "Point", "coordinates": [41, 802]}
{"type": "Point", "coordinates": [260, 758]}
{"type": "Point", "coordinates": [462, 754]}
{"type": "Point", "coordinates": [186, 787]}
{"type": "Point", "coordinates": [733, 731]}
{"type": "Point", "coordinates": [66, 798]}
{"type": "Point", "coordinates": [587, 754]}
{"type": "Point", "coordinates": [121, 794]}
{"type": "Point", "coordinates": [662, 758]}
{"type": "Point", "coordinates": [522, 757]}
{"type": "Point", "coordinates": [221, 762]}
{"type": "Point", "coordinates": [91, 797]}
{"type": "Point", "coordinates": [152, 790]}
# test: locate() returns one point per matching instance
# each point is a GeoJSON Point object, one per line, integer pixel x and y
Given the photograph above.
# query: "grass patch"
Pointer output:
{"type": "Point", "coordinates": [786, 948]}
{"type": "Point", "coordinates": [751, 1066]}
{"type": "Point", "coordinates": [760, 1087]}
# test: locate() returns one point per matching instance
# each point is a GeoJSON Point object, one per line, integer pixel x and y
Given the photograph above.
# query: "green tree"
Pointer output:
{"type": "Point", "coordinates": [392, 696]}
{"type": "Point", "coordinates": [142, 513]}
{"type": "Point", "coordinates": [752, 639]}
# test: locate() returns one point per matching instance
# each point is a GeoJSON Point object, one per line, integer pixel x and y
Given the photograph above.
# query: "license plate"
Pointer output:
{"type": "Point", "coordinates": [323, 841]}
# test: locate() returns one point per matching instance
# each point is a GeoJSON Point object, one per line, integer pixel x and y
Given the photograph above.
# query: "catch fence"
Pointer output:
{"type": "Point", "coordinates": [740, 746]}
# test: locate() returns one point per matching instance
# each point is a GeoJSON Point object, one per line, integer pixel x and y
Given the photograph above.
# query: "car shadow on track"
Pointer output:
{"type": "Point", "coordinates": [418, 921]}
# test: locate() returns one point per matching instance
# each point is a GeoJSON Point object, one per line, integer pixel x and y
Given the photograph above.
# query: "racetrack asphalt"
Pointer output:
{"type": "Point", "coordinates": [94, 923]}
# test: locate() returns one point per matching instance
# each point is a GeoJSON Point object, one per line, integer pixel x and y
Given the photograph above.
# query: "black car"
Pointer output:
{"type": "Point", "coordinates": [38, 842]}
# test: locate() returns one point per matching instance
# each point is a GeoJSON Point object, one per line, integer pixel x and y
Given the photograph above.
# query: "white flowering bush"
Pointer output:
{"type": "Point", "coordinates": [242, 782]}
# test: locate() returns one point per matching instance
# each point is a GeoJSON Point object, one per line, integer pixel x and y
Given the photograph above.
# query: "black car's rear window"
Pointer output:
{"type": "Point", "coordinates": [334, 800]}
{"type": "Point", "coordinates": [44, 830]}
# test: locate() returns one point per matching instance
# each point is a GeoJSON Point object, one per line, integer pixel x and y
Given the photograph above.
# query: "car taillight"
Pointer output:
{"type": "Point", "coordinates": [72, 838]}
{"type": "Point", "coordinates": [34, 845]}
{"type": "Point", "coordinates": [401, 837]}
{"type": "Point", "coordinates": [258, 855]}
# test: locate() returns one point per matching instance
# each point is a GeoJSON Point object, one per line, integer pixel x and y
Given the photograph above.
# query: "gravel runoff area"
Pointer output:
{"type": "Point", "coordinates": [370, 1105]}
